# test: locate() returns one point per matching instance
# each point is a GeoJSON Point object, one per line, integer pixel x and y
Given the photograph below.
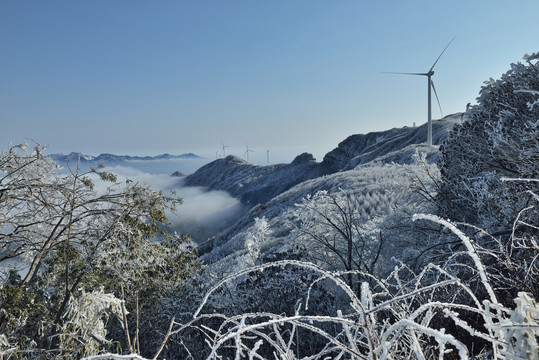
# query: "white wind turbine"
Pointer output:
{"type": "Point", "coordinates": [430, 85]}
{"type": "Point", "coordinates": [247, 151]}
{"type": "Point", "coordinates": [224, 147]}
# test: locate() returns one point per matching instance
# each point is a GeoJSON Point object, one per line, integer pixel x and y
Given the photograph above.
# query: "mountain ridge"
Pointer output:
{"type": "Point", "coordinates": [256, 184]}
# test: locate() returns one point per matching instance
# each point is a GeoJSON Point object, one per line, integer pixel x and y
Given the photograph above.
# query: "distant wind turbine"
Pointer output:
{"type": "Point", "coordinates": [267, 157]}
{"type": "Point", "coordinates": [224, 147]}
{"type": "Point", "coordinates": [247, 152]}
{"type": "Point", "coordinates": [430, 85]}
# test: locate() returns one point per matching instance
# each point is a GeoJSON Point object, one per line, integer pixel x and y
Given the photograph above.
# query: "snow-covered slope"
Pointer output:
{"type": "Point", "coordinates": [395, 145]}
{"type": "Point", "coordinates": [383, 196]}
{"type": "Point", "coordinates": [378, 169]}
{"type": "Point", "coordinates": [254, 184]}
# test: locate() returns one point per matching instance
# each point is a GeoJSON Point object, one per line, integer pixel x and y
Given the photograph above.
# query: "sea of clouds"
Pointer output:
{"type": "Point", "coordinates": [201, 215]}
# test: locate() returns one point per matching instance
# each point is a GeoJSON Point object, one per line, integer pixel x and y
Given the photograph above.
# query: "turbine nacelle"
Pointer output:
{"type": "Point", "coordinates": [430, 86]}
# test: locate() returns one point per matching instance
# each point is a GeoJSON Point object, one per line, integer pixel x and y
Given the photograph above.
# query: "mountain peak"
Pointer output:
{"type": "Point", "coordinates": [303, 159]}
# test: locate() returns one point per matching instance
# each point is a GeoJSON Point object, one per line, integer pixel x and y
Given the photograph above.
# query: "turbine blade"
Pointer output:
{"type": "Point", "coordinates": [437, 99]}
{"type": "Point", "coordinates": [432, 67]}
{"type": "Point", "coordinates": [405, 73]}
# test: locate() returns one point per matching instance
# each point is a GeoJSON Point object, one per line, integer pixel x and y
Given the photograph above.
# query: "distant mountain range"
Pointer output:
{"type": "Point", "coordinates": [111, 158]}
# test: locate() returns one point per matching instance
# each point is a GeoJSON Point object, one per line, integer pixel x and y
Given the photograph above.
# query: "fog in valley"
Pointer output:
{"type": "Point", "coordinates": [202, 214]}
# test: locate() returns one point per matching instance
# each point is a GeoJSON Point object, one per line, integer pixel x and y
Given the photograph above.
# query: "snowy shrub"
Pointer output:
{"type": "Point", "coordinates": [255, 239]}
{"type": "Point", "coordinates": [520, 331]}
{"type": "Point", "coordinates": [338, 233]}
{"type": "Point", "coordinates": [490, 167]}
{"type": "Point", "coordinates": [498, 139]}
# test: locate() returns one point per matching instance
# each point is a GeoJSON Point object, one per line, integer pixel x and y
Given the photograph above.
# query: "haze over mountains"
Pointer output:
{"type": "Point", "coordinates": [228, 191]}
{"type": "Point", "coordinates": [160, 164]}
{"type": "Point", "coordinates": [107, 158]}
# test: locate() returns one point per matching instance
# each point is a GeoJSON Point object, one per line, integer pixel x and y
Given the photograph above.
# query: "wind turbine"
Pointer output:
{"type": "Point", "coordinates": [247, 152]}
{"type": "Point", "coordinates": [224, 147]}
{"type": "Point", "coordinates": [430, 85]}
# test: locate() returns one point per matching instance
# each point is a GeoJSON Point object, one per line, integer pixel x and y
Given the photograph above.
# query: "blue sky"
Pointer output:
{"type": "Point", "coordinates": [148, 77]}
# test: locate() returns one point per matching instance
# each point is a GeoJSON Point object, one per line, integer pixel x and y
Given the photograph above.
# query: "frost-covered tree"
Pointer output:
{"type": "Point", "coordinates": [490, 172]}
{"type": "Point", "coordinates": [363, 223]}
{"type": "Point", "coordinates": [61, 239]}
{"type": "Point", "coordinates": [500, 138]}
{"type": "Point", "coordinates": [339, 233]}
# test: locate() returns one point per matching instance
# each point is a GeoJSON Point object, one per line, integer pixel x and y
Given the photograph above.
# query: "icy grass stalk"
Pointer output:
{"type": "Point", "coordinates": [353, 298]}
{"type": "Point", "coordinates": [469, 247]}
{"type": "Point", "coordinates": [238, 332]}
{"type": "Point", "coordinates": [516, 330]}
{"type": "Point", "coordinates": [5, 347]}
{"type": "Point", "coordinates": [115, 357]}
{"type": "Point", "coordinates": [360, 337]}
{"type": "Point", "coordinates": [439, 335]}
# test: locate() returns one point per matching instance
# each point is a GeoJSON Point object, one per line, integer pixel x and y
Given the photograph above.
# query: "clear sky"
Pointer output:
{"type": "Point", "coordinates": [289, 76]}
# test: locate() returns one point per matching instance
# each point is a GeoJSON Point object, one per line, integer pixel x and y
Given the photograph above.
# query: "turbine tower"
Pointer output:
{"type": "Point", "coordinates": [430, 85]}
{"type": "Point", "coordinates": [224, 147]}
{"type": "Point", "coordinates": [247, 152]}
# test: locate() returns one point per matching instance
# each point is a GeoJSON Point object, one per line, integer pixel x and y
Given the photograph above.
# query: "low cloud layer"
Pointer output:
{"type": "Point", "coordinates": [204, 213]}
{"type": "Point", "coordinates": [201, 215]}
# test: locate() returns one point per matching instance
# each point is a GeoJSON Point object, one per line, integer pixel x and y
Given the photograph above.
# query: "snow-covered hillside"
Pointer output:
{"type": "Point", "coordinates": [396, 145]}
{"type": "Point", "coordinates": [382, 195]}
{"type": "Point", "coordinates": [254, 184]}
{"type": "Point", "coordinates": [378, 169]}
